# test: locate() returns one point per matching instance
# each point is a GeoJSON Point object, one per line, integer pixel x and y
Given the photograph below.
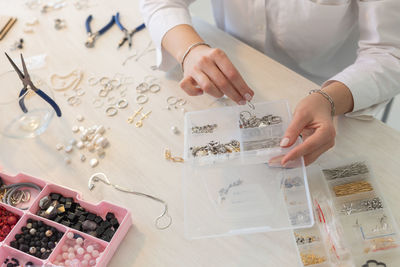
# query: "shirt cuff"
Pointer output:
{"type": "Point", "coordinates": [365, 97]}
{"type": "Point", "coordinates": [160, 23]}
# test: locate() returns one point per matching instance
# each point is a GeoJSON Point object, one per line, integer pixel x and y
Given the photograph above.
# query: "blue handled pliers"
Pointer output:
{"type": "Point", "coordinates": [128, 36]}
{"type": "Point", "coordinates": [93, 36]}
{"type": "Point", "coordinates": [28, 84]}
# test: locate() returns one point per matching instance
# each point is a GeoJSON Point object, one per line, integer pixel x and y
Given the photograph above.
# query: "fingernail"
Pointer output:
{"type": "Point", "coordinates": [284, 142]}
{"type": "Point", "coordinates": [248, 97]}
{"type": "Point", "coordinates": [242, 102]}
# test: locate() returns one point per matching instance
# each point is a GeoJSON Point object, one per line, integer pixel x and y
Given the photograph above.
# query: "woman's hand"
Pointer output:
{"type": "Point", "coordinates": [210, 70]}
{"type": "Point", "coordinates": [312, 119]}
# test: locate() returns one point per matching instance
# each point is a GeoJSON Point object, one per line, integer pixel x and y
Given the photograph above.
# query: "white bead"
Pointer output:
{"type": "Point", "coordinates": [80, 251]}
{"type": "Point", "coordinates": [75, 129]}
{"type": "Point", "coordinates": [71, 256]}
{"type": "Point", "coordinates": [87, 256]}
{"type": "Point", "coordinates": [90, 147]}
{"type": "Point", "coordinates": [95, 253]}
{"type": "Point", "coordinates": [67, 263]}
{"type": "Point", "coordinates": [79, 240]}
{"type": "Point", "coordinates": [84, 263]}
{"type": "Point", "coordinates": [83, 137]}
{"type": "Point", "coordinates": [59, 257]}
{"type": "Point", "coordinates": [70, 235]}
{"type": "Point", "coordinates": [102, 141]}
{"type": "Point", "coordinates": [96, 137]}
{"type": "Point", "coordinates": [81, 128]}
{"type": "Point", "coordinates": [83, 158]}
{"type": "Point", "coordinates": [175, 130]}
{"type": "Point", "coordinates": [67, 160]}
{"type": "Point", "coordinates": [59, 146]}
{"type": "Point", "coordinates": [72, 142]}
{"type": "Point", "coordinates": [93, 162]}
{"type": "Point", "coordinates": [79, 145]}
{"type": "Point", "coordinates": [65, 255]}
{"type": "Point", "coordinates": [80, 117]}
{"type": "Point", "coordinates": [89, 249]}
{"type": "Point", "coordinates": [100, 151]}
{"type": "Point", "coordinates": [91, 131]}
{"type": "Point", "coordinates": [68, 149]}
{"type": "Point", "coordinates": [100, 130]}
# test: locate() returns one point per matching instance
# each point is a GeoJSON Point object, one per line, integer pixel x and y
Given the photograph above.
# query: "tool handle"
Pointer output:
{"type": "Point", "coordinates": [108, 26]}
{"type": "Point", "coordinates": [138, 28]}
{"type": "Point", "coordinates": [87, 24]}
{"type": "Point", "coordinates": [118, 22]}
{"type": "Point", "coordinates": [50, 101]}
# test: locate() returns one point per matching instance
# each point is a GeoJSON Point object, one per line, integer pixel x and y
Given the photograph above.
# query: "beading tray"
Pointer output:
{"type": "Point", "coordinates": [101, 209]}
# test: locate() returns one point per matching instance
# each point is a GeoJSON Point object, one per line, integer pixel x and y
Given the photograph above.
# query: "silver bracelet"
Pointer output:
{"type": "Point", "coordinates": [319, 91]}
{"type": "Point", "coordinates": [190, 49]}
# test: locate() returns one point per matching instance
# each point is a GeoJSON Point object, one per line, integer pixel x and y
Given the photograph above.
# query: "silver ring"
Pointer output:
{"type": "Point", "coordinates": [181, 102]}
{"type": "Point", "coordinates": [123, 103]}
{"type": "Point", "coordinates": [142, 88]}
{"type": "Point", "coordinates": [141, 99]}
{"type": "Point", "coordinates": [72, 100]}
{"type": "Point", "coordinates": [174, 100]}
{"type": "Point", "coordinates": [111, 111]}
{"type": "Point", "coordinates": [97, 102]}
{"type": "Point", "coordinates": [154, 88]}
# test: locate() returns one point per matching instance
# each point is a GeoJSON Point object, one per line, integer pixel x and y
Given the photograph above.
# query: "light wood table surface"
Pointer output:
{"type": "Point", "coordinates": [135, 157]}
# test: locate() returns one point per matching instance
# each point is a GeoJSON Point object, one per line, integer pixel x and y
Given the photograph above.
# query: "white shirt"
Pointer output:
{"type": "Point", "coordinates": [316, 38]}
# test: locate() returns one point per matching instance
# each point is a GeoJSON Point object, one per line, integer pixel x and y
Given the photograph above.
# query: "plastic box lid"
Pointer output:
{"type": "Point", "coordinates": [238, 192]}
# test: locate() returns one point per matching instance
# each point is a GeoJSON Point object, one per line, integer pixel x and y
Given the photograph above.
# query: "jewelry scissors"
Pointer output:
{"type": "Point", "coordinates": [28, 84]}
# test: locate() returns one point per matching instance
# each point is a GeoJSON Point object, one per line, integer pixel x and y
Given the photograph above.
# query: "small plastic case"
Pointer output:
{"type": "Point", "coordinates": [107, 248]}
{"type": "Point", "coordinates": [355, 225]}
{"type": "Point", "coordinates": [237, 192]}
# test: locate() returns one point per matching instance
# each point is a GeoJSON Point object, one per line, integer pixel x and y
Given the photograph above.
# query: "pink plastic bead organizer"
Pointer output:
{"type": "Point", "coordinates": [6, 251]}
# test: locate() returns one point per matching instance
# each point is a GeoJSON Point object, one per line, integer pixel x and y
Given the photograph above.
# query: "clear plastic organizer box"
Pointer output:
{"type": "Point", "coordinates": [105, 248]}
{"type": "Point", "coordinates": [354, 226]}
{"type": "Point", "coordinates": [235, 190]}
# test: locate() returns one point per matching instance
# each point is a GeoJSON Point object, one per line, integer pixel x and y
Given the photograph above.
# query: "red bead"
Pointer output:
{"type": "Point", "coordinates": [5, 230]}
{"type": "Point", "coordinates": [12, 220]}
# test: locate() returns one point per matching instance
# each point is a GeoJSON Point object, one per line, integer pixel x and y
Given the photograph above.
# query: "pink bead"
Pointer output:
{"type": "Point", "coordinates": [76, 247]}
{"type": "Point", "coordinates": [65, 255]}
{"type": "Point", "coordinates": [71, 250]}
{"type": "Point", "coordinates": [71, 256]}
{"type": "Point", "coordinates": [92, 263]}
{"type": "Point", "coordinates": [56, 262]}
{"type": "Point", "coordinates": [84, 263]}
{"type": "Point", "coordinates": [80, 251]}
{"type": "Point", "coordinates": [89, 249]}
{"type": "Point", "coordinates": [67, 263]}
{"type": "Point", "coordinates": [95, 253]}
{"type": "Point", "coordinates": [79, 240]}
{"type": "Point", "coordinates": [87, 257]}
{"type": "Point", "coordinates": [59, 257]}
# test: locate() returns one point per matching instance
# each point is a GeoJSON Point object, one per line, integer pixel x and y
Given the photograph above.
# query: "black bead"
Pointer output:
{"type": "Point", "coordinates": [62, 200]}
{"type": "Point", "coordinates": [14, 244]}
{"type": "Point", "coordinates": [18, 236]}
{"type": "Point", "coordinates": [10, 264]}
{"type": "Point", "coordinates": [98, 220]}
{"type": "Point", "coordinates": [58, 219]}
{"type": "Point", "coordinates": [51, 245]}
{"type": "Point", "coordinates": [100, 230]}
{"type": "Point", "coordinates": [45, 255]}
{"type": "Point", "coordinates": [24, 248]}
{"type": "Point", "coordinates": [55, 196]}
{"type": "Point", "coordinates": [71, 216]}
{"type": "Point", "coordinates": [29, 220]}
{"type": "Point", "coordinates": [82, 218]}
{"type": "Point", "coordinates": [66, 223]}
{"type": "Point", "coordinates": [40, 223]}
{"type": "Point", "coordinates": [23, 228]}
{"type": "Point", "coordinates": [37, 243]}
{"type": "Point", "coordinates": [114, 223]}
{"type": "Point", "coordinates": [21, 240]}
{"type": "Point", "coordinates": [91, 217]}
{"type": "Point", "coordinates": [105, 224]}
{"type": "Point", "coordinates": [77, 226]}
{"type": "Point", "coordinates": [29, 263]}
{"type": "Point", "coordinates": [110, 216]}
{"type": "Point", "coordinates": [38, 254]}
{"type": "Point", "coordinates": [53, 238]}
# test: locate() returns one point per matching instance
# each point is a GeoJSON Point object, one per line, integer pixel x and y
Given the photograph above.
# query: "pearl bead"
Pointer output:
{"type": "Point", "coordinates": [76, 247]}
{"type": "Point", "coordinates": [80, 251]}
{"type": "Point", "coordinates": [59, 257]}
{"type": "Point", "coordinates": [89, 249]}
{"type": "Point", "coordinates": [95, 253]}
{"type": "Point", "coordinates": [70, 235]}
{"type": "Point", "coordinates": [79, 240]}
{"type": "Point", "coordinates": [65, 255]}
{"type": "Point", "coordinates": [71, 256]}
{"type": "Point", "coordinates": [64, 248]}
{"type": "Point", "coordinates": [84, 263]}
{"type": "Point", "coordinates": [87, 257]}
{"type": "Point", "coordinates": [68, 149]}
{"type": "Point", "coordinates": [59, 147]}
{"type": "Point", "coordinates": [174, 130]}
{"type": "Point", "coordinates": [92, 263]}
{"type": "Point", "coordinates": [75, 129]}
{"type": "Point", "coordinates": [32, 231]}
{"type": "Point", "coordinates": [80, 117]}
{"type": "Point", "coordinates": [71, 250]}
{"type": "Point", "coordinates": [93, 162]}
{"type": "Point", "coordinates": [67, 263]}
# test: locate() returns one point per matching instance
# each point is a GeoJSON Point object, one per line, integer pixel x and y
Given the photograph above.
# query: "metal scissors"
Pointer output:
{"type": "Point", "coordinates": [93, 36]}
{"type": "Point", "coordinates": [128, 36]}
{"type": "Point", "coordinates": [28, 84]}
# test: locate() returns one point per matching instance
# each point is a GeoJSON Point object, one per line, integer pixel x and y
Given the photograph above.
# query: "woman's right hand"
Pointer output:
{"type": "Point", "coordinates": [209, 70]}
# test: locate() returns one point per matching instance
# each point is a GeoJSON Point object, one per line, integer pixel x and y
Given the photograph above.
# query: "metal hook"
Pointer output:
{"type": "Point", "coordinates": [98, 177]}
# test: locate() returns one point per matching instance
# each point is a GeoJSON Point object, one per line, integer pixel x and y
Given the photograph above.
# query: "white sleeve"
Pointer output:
{"type": "Point", "coordinates": [160, 16]}
{"type": "Point", "coordinates": [374, 78]}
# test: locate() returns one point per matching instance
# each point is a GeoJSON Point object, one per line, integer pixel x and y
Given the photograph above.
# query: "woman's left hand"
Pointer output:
{"type": "Point", "coordinates": [312, 119]}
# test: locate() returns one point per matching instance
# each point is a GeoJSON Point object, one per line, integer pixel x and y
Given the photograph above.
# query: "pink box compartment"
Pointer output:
{"type": "Point", "coordinates": [123, 216]}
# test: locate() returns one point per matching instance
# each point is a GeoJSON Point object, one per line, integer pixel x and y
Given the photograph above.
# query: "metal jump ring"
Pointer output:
{"type": "Point", "coordinates": [141, 99]}
{"type": "Point", "coordinates": [111, 111]}
{"type": "Point", "coordinates": [174, 100]}
{"type": "Point", "coordinates": [181, 102]}
{"type": "Point", "coordinates": [154, 88]}
{"type": "Point", "coordinates": [142, 87]}
{"type": "Point", "coordinates": [123, 103]}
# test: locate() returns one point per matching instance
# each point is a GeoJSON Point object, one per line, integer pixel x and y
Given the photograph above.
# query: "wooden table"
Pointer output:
{"type": "Point", "coordinates": [135, 158]}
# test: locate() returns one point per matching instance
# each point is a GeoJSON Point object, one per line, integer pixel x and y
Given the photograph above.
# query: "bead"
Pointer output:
{"type": "Point", "coordinates": [92, 263]}
{"type": "Point", "coordinates": [70, 235]}
{"type": "Point", "coordinates": [71, 256]}
{"type": "Point", "coordinates": [80, 118]}
{"type": "Point", "coordinates": [79, 240]}
{"type": "Point", "coordinates": [68, 149]}
{"type": "Point", "coordinates": [67, 160]}
{"type": "Point", "coordinates": [32, 231]}
{"type": "Point", "coordinates": [42, 250]}
{"type": "Point", "coordinates": [49, 233]}
{"type": "Point", "coordinates": [29, 225]}
{"type": "Point", "coordinates": [100, 130]}
{"type": "Point", "coordinates": [84, 263]}
{"type": "Point", "coordinates": [89, 249]}
{"type": "Point", "coordinates": [75, 129]}
{"type": "Point", "coordinates": [65, 255]}
{"type": "Point", "coordinates": [89, 225]}
{"type": "Point", "coordinates": [95, 253]}
{"type": "Point", "coordinates": [71, 250]}
{"type": "Point", "coordinates": [93, 162]}
{"type": "Point", "coordinates": [80, 251]}
{"type": "Point", "coordinates": [72, 142]}
{"type": "Point", "coordinates": [59, 147]}
{"type": "Point", "coordinates": [174, 130]}
{"type": "Point", "coordinates": [32, 250]}
{"type": "Point", "coordinates": [87, 257]}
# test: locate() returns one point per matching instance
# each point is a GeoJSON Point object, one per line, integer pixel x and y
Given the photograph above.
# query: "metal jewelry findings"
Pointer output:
{"type": "Point", "coordinates": [249, 120]}
{"type": "Point", "coordinates": [141, 99]}
{"type": "Point", "coordinates": [349, 170]}
{"type": "Point", "coordinates": [168, 156]}
{"type": "Point", "coordinates": [215, 148]}
{"type": "Point", "coordinates": [111, 111]}
{"type": "Point", "coordinates": [209, 128]}
{"type": "Point", "coordinates": [123, 103]}
{"type": "Point", "coordinates": [223, 192]}
{"type": "Point", "coordinates": [139, 123]}
{"type": "Point", "coordinates": [163, 221]}
{"type": "Point", "coordinates": [132, 118]}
